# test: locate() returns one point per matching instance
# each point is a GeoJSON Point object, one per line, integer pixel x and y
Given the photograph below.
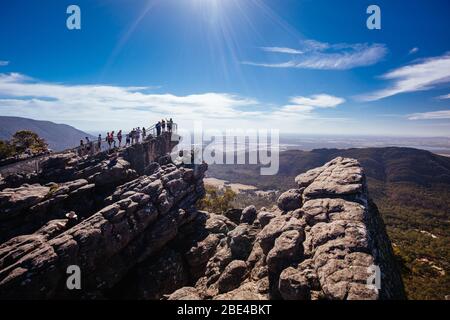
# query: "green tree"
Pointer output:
{"type": "Point", "coordinates": [6, 149]}
{"type": "Point", "coordinates": [28, 140]}
{"type": "Point", "coordinates": [217, 201]}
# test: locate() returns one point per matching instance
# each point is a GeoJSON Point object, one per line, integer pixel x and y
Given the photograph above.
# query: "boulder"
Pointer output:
{"type": "Point", "coordinates": [232, 276]}
{"type": "Point", "coordinates": [185, 293]}
{"type": "Point", "coordinates": [234, 215]}
{"type": "Point", "coordinates": [290, 200]}
{"type": "Point", "coordinates": [286, 250]}
{"type": "Point", "coordinates": [264, 217]}
{"type": "Point", "coordinates": [248, 215]}
{"type": "Point", "coordinates": [241, 241]}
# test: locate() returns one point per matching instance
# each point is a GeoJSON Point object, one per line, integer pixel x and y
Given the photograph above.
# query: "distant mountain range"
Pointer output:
{"type": "Point", "coordinates": [411, 187]}
{"type": "Point", "coordinates": [390, 164]}
{"type": "Point", "coordinates": [58, 136]}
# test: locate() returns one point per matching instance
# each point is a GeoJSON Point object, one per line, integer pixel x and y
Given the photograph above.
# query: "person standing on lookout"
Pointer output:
{"type": "Point", "coordinates": [163, 125]}
{"type": "Point", "coordinates": [81, 148]}
{"type": "Point", "coordinates": [99, 142]}
{"type": "Point", "coordinates": [113, 140]}
{"type": "Point", "coordinates": [138, 134]}
{"type": "Point", "coordinates": [88, 145]}
{"type": "Point", "coordinates": [132, 136]}
{"type": "Point", "coordinates": [107, 140]}
{"type": "Point", "coordinates": [169, 125]}
{"type": "Point", "coordinates": [144, 133]}
{"type": "Point", "coordinates": [119, 137]}
{"type": "Point", "coordinates": [158, 129]}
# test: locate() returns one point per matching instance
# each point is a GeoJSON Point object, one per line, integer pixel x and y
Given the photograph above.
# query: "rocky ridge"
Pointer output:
{"type": "Point", "coordinates": [326, 240]}
{"type": "Point", "coordinates": [138, 234]}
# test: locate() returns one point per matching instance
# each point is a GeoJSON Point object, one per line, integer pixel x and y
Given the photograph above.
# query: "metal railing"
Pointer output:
{"type": "Point", "coordinates": [89, 149]}
{"type": "Point", "coordinates": [153, 132]}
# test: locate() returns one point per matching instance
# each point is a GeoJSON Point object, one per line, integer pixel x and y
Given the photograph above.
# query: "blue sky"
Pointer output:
{"type": "Point", "coordinates": [298, 66]}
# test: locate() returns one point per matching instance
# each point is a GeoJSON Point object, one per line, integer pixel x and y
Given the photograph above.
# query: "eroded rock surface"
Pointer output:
{"type": "Point", "coordinates": [141, 237]}
{"type": "Point", "coordinates": [326, 240]}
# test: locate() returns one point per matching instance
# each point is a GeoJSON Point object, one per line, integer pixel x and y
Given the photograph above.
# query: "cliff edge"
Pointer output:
{"type": "Point", "coordinates": [138, 235]}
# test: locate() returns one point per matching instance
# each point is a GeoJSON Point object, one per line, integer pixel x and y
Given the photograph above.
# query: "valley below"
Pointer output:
{"type": "Point", "coordinates": [411, 188]}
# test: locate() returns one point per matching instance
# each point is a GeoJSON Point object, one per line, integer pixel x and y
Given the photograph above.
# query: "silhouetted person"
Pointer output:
{"type": "Point", "coordinates": [144, 133]}
{"type": "Point", "coordinates": [108, 140]}
{"type": "Point", "coordinates": [169, 125]}
{"type": "Point", "coordinates": [88, 145]}
{"type": "Point", "coordinates": [163, 125]}
{"type": "Point", "coordinates": [138, 134]}
{"type": "Point", "coordinates": [99, 142]}
{"type": "Point", "coordinates": [119, 137]}
{"type": "Point", "coordinates": [133, 136]}
{"type": "Point", "coordinates": [113, 140]}
{"type": "Point", "coordinates": [158, 129]}
{"type": "Point", "coordinates": [81, 148]}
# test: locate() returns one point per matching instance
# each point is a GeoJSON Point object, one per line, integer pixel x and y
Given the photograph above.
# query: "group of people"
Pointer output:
{"type": "Point", "coordinates": [86, 147]}
{"type": "Point", "coordinates": [161, 126]}
{"type": "Point", "coordinates": [114, 140]}
{"type": "Point", "coordinates": [134, 136]}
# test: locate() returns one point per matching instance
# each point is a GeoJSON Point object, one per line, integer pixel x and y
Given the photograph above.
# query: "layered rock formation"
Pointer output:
{"type": "Point", "coordinates": [326, 240]}
{"type": "Point", "coordinates": [139, 236]}
{"type": "Point", "coordinates": [68, 182]}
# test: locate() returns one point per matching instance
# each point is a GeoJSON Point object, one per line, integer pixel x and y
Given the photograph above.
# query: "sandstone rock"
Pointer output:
{"type": "Point", "coordinates": [305, 179]}
{"type": "Point", "coordinates": [241, 241]}
{"type": "Point", "coordinates": [148, 240]}
{"type": "Point", "coordinates": [299, 283]}
{"type": "Point", "coordinates": [185, 293]}
{"type": "Point", "coordinates": [247, 291]}
{"type": "Point", "coordinates": [106, 246]}
{"type": "Point", "coordinates": [114, 171]}
{"type": "Point", "coordinates": [325, 210]}
{"type": "Point", "coordinates": [219, 224]}
{"type": "Point", "coordinates": [160, 277]}
{"type": "Point", "coordinates": [218, 262]}
{"type": "Point", "coordinates": [248, 215]}
{"type": "Point", "coordinates": [264, 217]}
{"type": "Point", "coordinates": [287, 249]}
{"type": "Point", "coordinates": [290, 200]}
{"type": "Point", "coordinates": [293, 285]}
{"type": "Point", "coordinates": [14, 200]}
{"type": "Point", "coordinates": [232, 276]}
{"type": "Point", "coordinates": [198, 256]}
{"type": "Point", "coordinates": [275, 228]}
{"type": "Point", "coordinates": [234, 215]}
{"type": "Point", "coordinates": [340, 177]}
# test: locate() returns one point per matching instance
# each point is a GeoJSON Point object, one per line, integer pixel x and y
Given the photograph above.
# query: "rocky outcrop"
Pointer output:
{"type": "Point", "coordinates": [144, 215]}
{"type": "Point", "coordinates": [69, 182]}
{"type": "Point", "coordinates": [141, 237]}
{"type": "Point", "coordinates": [70, 165]}
{"type": "Point", "coordinates": [325, 241]}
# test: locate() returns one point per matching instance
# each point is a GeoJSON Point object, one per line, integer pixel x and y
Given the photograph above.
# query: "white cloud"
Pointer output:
{"type": "Point", "coordinates": [423, 75]}
{"type": "Point", "coordinates": [324, 56]}
{"type": "Point", "coordinates": [446, 96]}
{"type": "Point", "coordinates": [319, 101]}
{"type": "Point", "coordinates": [3, 63]}
{"type": "Point", "coordinates": [24, 96]}
{"type": "Point", "coordinates": [304, 107]}
{"type": "Point", "coordinates": [281, 50]}
{"type": "Point", "coordinates": [432, 115]}
{"type": "Point", "coordinates": [413, 50]}
{"type": "Point", "coordinates": [103, 106]}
